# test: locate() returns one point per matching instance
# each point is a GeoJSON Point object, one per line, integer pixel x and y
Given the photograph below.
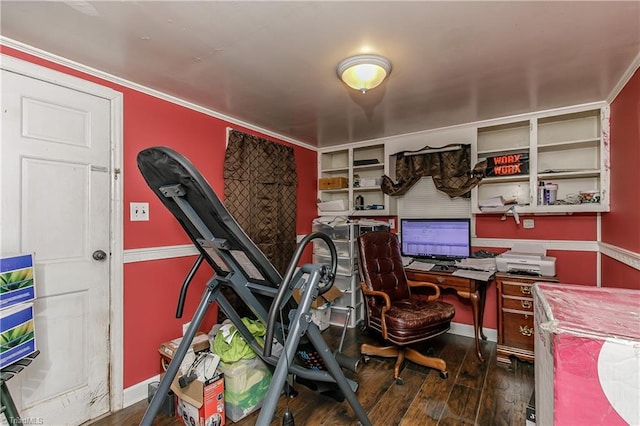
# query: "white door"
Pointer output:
{"type": "Point", "coordinates": [55, 191]}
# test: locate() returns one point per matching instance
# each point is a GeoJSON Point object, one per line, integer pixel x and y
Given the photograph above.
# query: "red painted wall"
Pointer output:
{"type": "Point", "coordinates": [151, 288]}
{"type": "Point", "coordinates": [621, 226]}
{"type": "Point", "coordinates": [619, 275]}
{"type": "Point", "coordinates": [575, 267]}
{"type": "Point", "coordinates": [576, 227]}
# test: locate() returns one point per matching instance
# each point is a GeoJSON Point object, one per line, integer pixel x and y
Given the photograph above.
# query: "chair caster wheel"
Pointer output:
{"type": "Point", "coordinates": [444, 374]}
{"type": "Point", "coordinates": [399, 381]}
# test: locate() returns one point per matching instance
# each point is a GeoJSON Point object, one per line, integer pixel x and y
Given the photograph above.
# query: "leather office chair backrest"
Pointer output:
{"type": "Point", "coordinates": [380, 264]}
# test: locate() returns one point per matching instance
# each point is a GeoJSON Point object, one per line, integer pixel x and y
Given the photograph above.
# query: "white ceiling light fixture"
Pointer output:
{"type": "Point", "coordinates": [364, 72]}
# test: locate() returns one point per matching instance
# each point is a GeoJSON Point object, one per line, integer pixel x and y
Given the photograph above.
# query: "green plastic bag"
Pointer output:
{"type": "Point", "coordinates": [231, 346]}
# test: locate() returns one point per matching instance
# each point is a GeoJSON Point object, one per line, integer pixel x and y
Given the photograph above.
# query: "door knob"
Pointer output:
{"type": "Point", "coordinates": [99, 255]}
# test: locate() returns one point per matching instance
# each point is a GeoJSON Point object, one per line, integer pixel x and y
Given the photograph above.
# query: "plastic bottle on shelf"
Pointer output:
{"type": "Point", "coordinates": [540, 193]}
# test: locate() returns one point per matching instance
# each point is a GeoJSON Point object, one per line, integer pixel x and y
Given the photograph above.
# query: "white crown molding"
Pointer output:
{"type": "Point", "coordinates": [143, 89]}
{"type": "Point", "coordinates": [621, 255]}
{"type": "Point", "coordinates": [624, 79]}
{"type": "Point", "coordinates": [565, 245]}
{"type": "Point", "coordinates": [159, 253]}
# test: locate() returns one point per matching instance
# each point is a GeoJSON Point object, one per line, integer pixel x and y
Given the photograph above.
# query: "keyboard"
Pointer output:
{"type": "Point", "coordinates": [437, 262]}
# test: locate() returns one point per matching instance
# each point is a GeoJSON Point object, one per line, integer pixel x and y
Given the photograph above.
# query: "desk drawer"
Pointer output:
{"type": "Point", "coordinates": [518, 330]}
{"type": "Point", "coordinates": [518, 303]}
{"type": "Point", "coordinates": [516, 288]}
{"type": "Point", "coordinates": [444, 281]}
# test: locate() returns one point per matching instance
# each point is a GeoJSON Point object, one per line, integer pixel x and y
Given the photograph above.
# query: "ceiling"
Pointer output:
{"type": "Point", "coordinates": [273, 64]}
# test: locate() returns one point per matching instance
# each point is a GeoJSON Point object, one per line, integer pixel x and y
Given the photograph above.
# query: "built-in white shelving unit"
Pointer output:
{"type": "Point", "coordinates": [363, 166]}
{"type": "Point", "coordinates": [567, 147]}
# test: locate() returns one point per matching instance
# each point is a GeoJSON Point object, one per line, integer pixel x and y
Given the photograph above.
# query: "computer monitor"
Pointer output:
{"type": "Point", "coordinates": [439, 239]}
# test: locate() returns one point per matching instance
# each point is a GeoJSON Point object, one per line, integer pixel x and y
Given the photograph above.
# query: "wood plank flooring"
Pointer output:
{"type": "Point", "coordinates": [475, 393]}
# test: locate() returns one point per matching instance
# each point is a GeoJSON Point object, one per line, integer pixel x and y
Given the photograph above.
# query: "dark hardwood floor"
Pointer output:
{"type": "Point", "coordinates": [475, 393]}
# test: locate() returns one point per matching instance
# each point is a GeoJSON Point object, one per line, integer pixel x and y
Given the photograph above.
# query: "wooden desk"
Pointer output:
{"type": "Point", "coordinates": [466, 288]}
{"type": "Point", "coordinates": [515, 316]}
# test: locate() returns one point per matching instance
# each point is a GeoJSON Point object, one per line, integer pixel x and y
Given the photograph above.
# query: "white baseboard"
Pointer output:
{"type": "Point", "coordinates": [137, 392]}
{"type": "Point", "coordinates": [467, 331]}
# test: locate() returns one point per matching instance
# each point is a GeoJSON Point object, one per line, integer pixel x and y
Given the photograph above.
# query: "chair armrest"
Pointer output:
{"type": "Point", "coordinates": [374, 293]}
{"type": "Point", "coordinates": [387, 305]}
{"type": "Point", "coordinates": [424, 284]}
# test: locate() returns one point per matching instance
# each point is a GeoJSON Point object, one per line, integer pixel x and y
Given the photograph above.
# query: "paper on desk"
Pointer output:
{"type": "Point", "coordinates": [479, 264]}
{"type": "Point", "coordinates": [422, 266]}
{"type": "Point", "coordinates": [474, 275]}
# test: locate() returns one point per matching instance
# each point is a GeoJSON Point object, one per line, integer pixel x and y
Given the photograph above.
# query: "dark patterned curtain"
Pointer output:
{"type": "Point", "coordinates": [450, 170]}
{"type": "Point", "coordinates": [260, 182]}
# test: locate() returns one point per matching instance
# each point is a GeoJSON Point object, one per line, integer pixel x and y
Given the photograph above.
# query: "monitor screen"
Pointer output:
{"type": "Point", "coordinates": [436, 238]}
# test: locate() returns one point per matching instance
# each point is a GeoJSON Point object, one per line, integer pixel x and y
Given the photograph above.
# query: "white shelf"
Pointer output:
{"type": "Point", "coordinates": [569, 141]}
{"type": "Point", "coordinates": [340, 162]}
{"type": "Point", "coordinates": [568, 144]}
{"type": "Point", "coordinates": [336, 170]}
{"type": "Point", "coordinates": [568, 174]}
{"type": "Point", "coordinates": [366, 188]}
{"type": "Point", "coordinates": [369, 167]}
{"type": "Point", "coordinates": [490, 152]}
{"type": "Point", "coordinates": [337, 191]}
{"type": "Point", "coordinates": [500, 179]}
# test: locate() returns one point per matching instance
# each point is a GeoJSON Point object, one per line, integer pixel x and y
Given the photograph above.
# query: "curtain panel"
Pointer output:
{"type": "Point", "coordinates": [450, 170]}
{"type": "Point", "coordinates": [260, 182]}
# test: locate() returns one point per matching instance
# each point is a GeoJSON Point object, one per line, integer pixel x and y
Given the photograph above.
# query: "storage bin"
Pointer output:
{"type": "Point", "coordinates": [346, 266]}
{"type": "Point", "coordinates": [343, 248]}
{"type": "Point", "coordinates": [339, 316]}
{"type": "Point", "coordinates": [245, 385]}
{"type": "Point", "coordinates": [336, 231]}
{"type": "Point", "coordinates": [321, 316]}
{"type": "Point", "coordinates": [343, 283]}
{"type": "Point", "coordinates": [348, 299]}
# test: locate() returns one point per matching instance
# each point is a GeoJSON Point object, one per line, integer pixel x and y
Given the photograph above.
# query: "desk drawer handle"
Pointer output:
{"type": "Point", "coordinates": [526, 304]}
{"type": "Point", "coordinates": [441, 279]}
{"type": "Point", "coordinates": [525, 289]}
{"type": "Point", "coordinates": [526, 331]}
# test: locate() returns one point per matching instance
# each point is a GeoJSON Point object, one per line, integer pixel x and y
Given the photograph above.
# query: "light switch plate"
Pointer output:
{"type": "Point", "coordinates": [139, 212]}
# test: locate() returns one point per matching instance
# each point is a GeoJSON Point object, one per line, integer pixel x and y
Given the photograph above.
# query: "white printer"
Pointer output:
{"type": "Point", "coordinates": [529, 258]}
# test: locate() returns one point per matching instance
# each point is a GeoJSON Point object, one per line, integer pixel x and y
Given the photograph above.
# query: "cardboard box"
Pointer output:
{"type": "Point", "coordinates": [333, 183]}
{"type": "Point", "coordinates": [246, 384]}
{"type": "Point", "coordinates": [17, 280]}
{"type": "Point", "coordinates": [17, 333]}
{"type": "Point", "coordinates": [200, 343]}
{"type": "Point", "coordinates": [587, 355]}
{"type": "Point", "coordinates": [323, 299]}
{"type": "Point", "coordinates": [201, 404]}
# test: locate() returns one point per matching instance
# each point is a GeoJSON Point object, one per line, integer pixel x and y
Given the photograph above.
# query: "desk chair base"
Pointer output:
{"type": "Point", "coordinates": [401, 353]}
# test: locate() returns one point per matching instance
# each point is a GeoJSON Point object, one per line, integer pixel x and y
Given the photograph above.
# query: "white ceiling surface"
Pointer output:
{"type": "Point", "coordinates": [273, 64]}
